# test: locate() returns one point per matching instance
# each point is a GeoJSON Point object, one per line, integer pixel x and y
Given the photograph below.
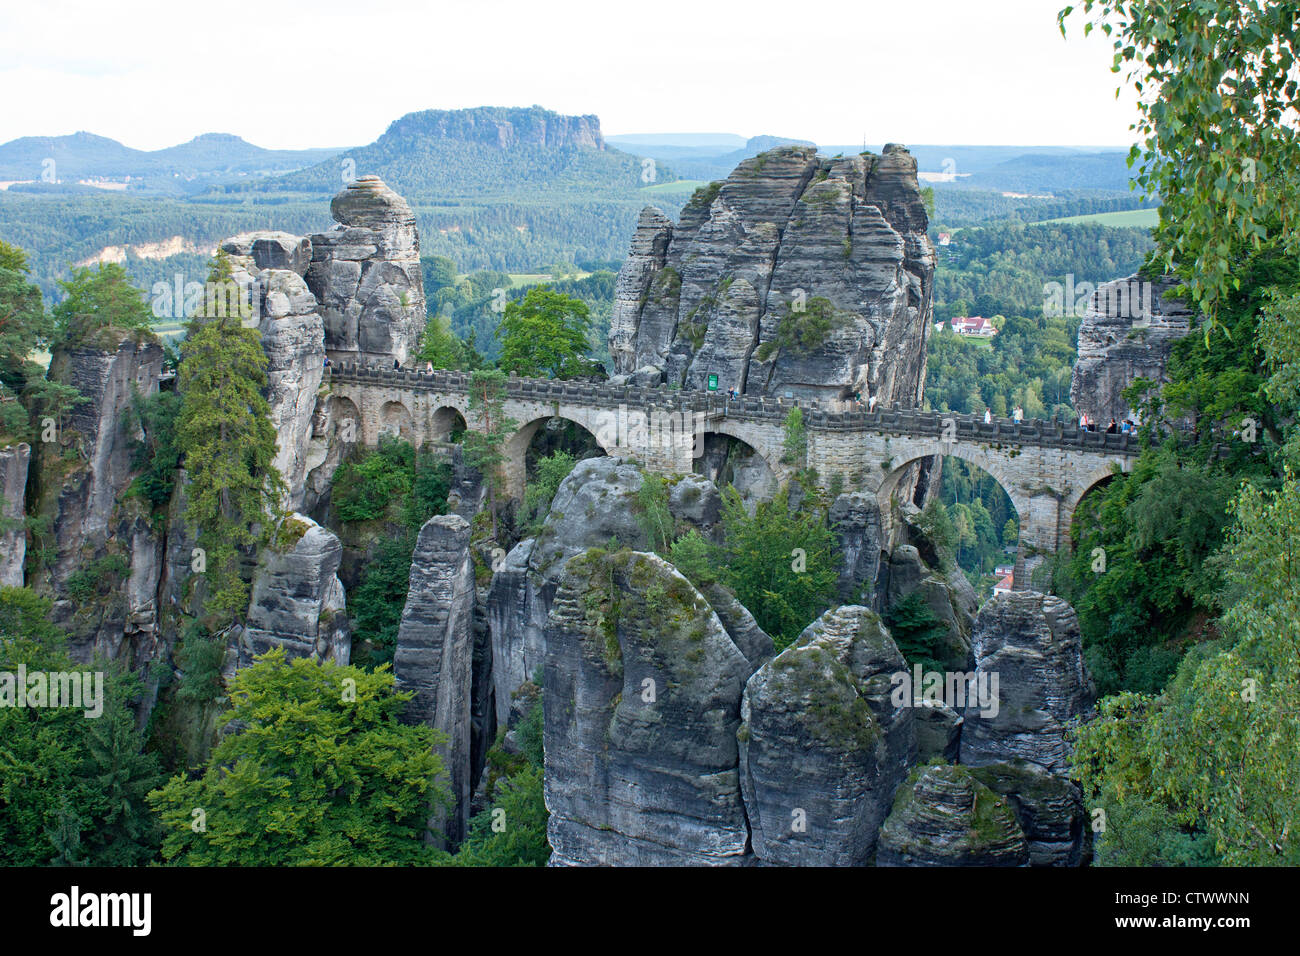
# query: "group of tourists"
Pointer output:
{"type": "Point", "coordinates": [1017, 415]}
{"type": "Point", "coordinates": [1126, 427]}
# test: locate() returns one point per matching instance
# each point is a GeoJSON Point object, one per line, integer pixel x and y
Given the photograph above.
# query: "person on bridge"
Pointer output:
{"type": "Point", "coordinates": [1018, 415]}
{"type": "Point", "coordinates": [396, 364]}
{"type": "Point", "coordinates": [988, 416]}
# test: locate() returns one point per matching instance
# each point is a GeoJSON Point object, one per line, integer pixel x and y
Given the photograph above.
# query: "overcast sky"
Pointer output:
{"type": "Point", "coordinates": [327, 73]}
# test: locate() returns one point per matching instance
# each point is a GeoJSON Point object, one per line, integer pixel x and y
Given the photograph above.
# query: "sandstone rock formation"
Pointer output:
{"type": "Point", "coordinates": [270, 250]}
{"type": "Point", "coordinates": [270, 265]}
{"type": "Point", "coordinates": [594, 505]}
{"type": "Point", "coordinates": [14, 461]}
{"type": "Point", "coordinates": [434, 655]}
{"type": "Point", "coordinates": [938, 731]}
{"type": "Point", "coordinates": [293, 338]}
{"type": "Point", "coordinates": [797, 274]}
{"type": "Point", "coordinates": [1048, 807]}
{"type": "Point", "coordinates": [750, 639]}
{"type": "Point", "coordinates": [822, 746]}
{"type": "Point", "coordinates": [642, 704]}
{"type": "Point", "coordinates": [1031, 642]}
{"type": "Point", "coordinates": [365, 273]}
{"type": "Point", "coordinates": [948, 818]}
{"type": "Point", "coordinates": [91, 518]}
{"type": "Point", "coordinates": [1128, 331]}
{"type": "Point", "coordinates": [297, 600]}
{"type": "Point", "coordinates": [855, 520]}
{"type": "Point", "coordinates": [947, 595]}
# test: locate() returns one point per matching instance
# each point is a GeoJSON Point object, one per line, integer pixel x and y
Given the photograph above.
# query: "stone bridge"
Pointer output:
{"type": "Point", "coordinates": [1045, 467]}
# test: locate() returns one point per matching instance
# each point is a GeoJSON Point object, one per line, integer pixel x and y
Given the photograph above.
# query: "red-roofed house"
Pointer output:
{"type": "Point", "coordinates": [973, 325]}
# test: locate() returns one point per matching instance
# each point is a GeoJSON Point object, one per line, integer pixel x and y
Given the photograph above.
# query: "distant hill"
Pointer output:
{"type": "Point", "coordinates": [439, 155]}
{"type": "Point", "coordinates": [1042, 173]}
{"type": "Point", "coordinates": [176, 170]}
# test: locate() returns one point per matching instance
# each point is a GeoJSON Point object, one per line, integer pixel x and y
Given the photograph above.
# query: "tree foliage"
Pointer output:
{"type": "Point", "coordinates": [545, 335]}
{"type": "Point", "coordinates": [72, 786]}
{"type": "Point", "coordinates": [100, 301]}
{"type": "Point", "coordinates": [317, 769]}
{"type": "Point", "coordinates": [782, 564]}
{"type": "Point", "coordinates": [1216, 83]}
{"type": "Point", "coordinates": [225, 434]}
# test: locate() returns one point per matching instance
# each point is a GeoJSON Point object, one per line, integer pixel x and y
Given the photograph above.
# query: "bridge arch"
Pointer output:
{"type": "Point", "coordinates": [1030, 512]}
{"type": "Point", "coordinates": [515, 450]}
{"type": "Point", "coordinates": [972, 455]}
{"type": "Point", "coordinates": [445, 421]}
{"type": "Point", "coordinates": [728, 459]}
{"type": "Point", "coordinates": [345, 421]}
{"type": "Point", "coordinates": [396, 420]}
{"type": "Point", "coordinates": [756, 437]}
{"type": "Point", "coordinates": [1071, 502]}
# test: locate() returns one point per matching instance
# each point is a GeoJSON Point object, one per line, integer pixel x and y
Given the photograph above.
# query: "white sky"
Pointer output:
{"type": "Point", "coordinates": [330, 73]}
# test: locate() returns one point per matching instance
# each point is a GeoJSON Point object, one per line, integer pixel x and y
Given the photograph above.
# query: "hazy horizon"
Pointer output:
{"type": "Point", "coordinates": [937, 72]}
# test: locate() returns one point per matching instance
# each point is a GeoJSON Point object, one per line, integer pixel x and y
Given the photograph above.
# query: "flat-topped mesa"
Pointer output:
{"type": "Point", "coordinates": [797, 275]}
{"type": "Point", "coordinates": [365, 272]}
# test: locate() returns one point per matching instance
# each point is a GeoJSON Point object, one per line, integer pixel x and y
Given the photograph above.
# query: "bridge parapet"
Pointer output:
{"type": "Point", "coordinates": [893, 420]}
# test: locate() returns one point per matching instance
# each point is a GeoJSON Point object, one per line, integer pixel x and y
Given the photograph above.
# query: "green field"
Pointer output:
{"type": "Point", "coordinates": [521, 279]}
{"type": "Point", "coordinates": [1140, 218]}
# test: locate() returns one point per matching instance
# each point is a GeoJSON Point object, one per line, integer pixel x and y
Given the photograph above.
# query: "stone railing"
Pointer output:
{"type": "Point", "coordinates": [831, 416]}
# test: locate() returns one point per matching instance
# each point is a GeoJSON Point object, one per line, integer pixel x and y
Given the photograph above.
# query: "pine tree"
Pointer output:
{"type": "Point", "coordinates": [225, 433]}
{"type": "Point", "coordinates": [65, 835]}
{"type": "Point", "coordinates": [116, 777]}
{"type": "Point", "coordinates": [483, 449]}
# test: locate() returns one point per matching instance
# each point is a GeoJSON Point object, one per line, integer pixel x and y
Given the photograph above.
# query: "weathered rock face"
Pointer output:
{"type": "Point", "coordinates": [796, 274]}
{"type": "Point", "coordinates": [948, 596]}
{"type": "Point", "coordinates": [107, 379]}
{"type": "Point", "coordinates": [293, 338]}
{"type": "Point", "coordinates": [750, 639]}
{"type": "Point", "coordinates": [270, 265]}
{"type": "Point", "coordinates": [517, 620]}
{"type": "Point", "coordinates": [365, 273]}
{"type": "Point", "coordinates": [938, 731]}
{"type": "Point", "coordinates": [271, 250]}
{"type": "Point", "coordinates": [822, 746]}
{"type": "Point", "coordinates": [95, 527]}
{"type": "Point", "coordinates": [948, 818]}
{"type": "Point", "coordinates": [14, 460]}
{"type": "Point", "coordinates": [1128, 331]}
{"type": "Point", "coordinates": [1048, 807]}
{"type": "Point", "coordinates": [298, 601]}
{"type": "Point", "coordinates": [595, 504]}
{"type": "Point", "coordinates": [435, 647]}
{"type": "Point", "coordinates": [855, 520]}
{"type": "Point", "coordinates": [1031, 642]}
{"type": "Point", "coordinates": [644, 261]}
{"type": "Point", "coordinates": [642, 704]}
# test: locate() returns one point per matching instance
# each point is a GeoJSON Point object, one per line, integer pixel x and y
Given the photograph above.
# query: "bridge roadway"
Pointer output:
{"type": "Point", "coordinates": [1045, 467]}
